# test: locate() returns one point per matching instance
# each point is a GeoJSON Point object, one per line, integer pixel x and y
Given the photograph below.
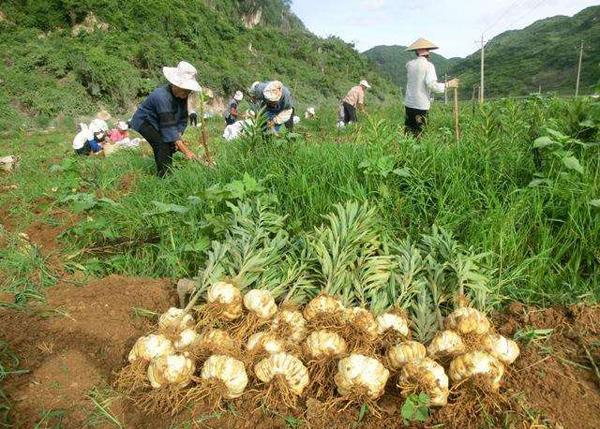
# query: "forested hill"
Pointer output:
{"type": "Point", "coordinates": [543, 54]}
{"type": "Point", "coordinates": [69, 57]}
{"type": "Point", "coordinates": [392, 62]}
{"type": "Point", "coordinates": [518, 62]}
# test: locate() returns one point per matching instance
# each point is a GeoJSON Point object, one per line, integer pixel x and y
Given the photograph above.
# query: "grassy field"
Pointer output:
{"type": "Point", "coordinates": [534, 213]}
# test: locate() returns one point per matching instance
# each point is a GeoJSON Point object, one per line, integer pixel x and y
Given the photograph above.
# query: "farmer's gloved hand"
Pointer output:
{"type": "Point", "coordinates": [452, 83]}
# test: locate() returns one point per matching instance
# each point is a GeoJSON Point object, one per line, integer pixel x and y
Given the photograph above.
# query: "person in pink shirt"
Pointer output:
{"type": "Point", "coordinates": [119, 133]}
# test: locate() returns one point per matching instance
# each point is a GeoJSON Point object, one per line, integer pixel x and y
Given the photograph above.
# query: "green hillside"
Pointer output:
{"type": "Point", "coordinates": [392, 61]}
{"type": "Point", "coordinates": [64, 58]}
{"type": "Point", "coordinates": [519, 61]}
{"type": "Point", "coordinates": [545, 53]}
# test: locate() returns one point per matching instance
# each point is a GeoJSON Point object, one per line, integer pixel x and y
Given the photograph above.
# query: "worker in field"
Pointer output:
{"type": "Point", "coordinates": [355, 99]}
{"type": "Point", "coordinates": [422, 81]}
{"type": "Point", "coordinates": [163, 116]}
{"type": "Point", "coordinates": [90, 139]}
{"type": "Point", "coordinates": [231, 113]}
{"type": "Point", "coordinates": [276, 100]}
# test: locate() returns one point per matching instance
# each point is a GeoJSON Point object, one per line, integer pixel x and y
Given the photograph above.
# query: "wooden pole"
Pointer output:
{"type": "Point", "coordinates": [203, 131]}
{"type": "Point", "coordinates": [482, 85]}
{"type": "Point", "coordinates": [456, 121]}
{"type": "Point", "coordinates": [579, 70]}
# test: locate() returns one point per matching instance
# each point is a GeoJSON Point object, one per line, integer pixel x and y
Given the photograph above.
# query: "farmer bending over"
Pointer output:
{"type": "Point", "coordinates": [90, 139]}
{"type": "Point", "coordinates": [277, 101]}
{"type": "Point", "coordinates": [162, 117]}
{"type": "Point", "coordinates": [231, 114]}
{"type": "Point", "coordinates": [354, 99]}
{"type": "Point", "coordinates": [422, 80]}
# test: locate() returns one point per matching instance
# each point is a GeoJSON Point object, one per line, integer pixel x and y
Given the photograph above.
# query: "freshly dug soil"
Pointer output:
{"type": "Point", "coordinates": [83, 335]}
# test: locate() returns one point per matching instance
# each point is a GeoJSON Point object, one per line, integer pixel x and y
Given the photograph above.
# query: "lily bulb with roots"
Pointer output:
{"type": "Point", "coordinates": [290, 324]}
{"type": "Point", "coordinates": [228, 299]}
{"type": "Point", "coordinates": [427, 376]}
{"type": "Point", "coordinates": [503, 349]}
{"type": "Point", "coordinates": [477, 363]}
{"type": "Point", "coordinates": [260, 303]}
{"type": "Point", "coordinates": [392, 322]}
{"type": "Point", "coordinates": [175, 320]}
{"type": "Point", "coordinates": [466, 320]}
{"type": "Point", "coordinates": [230, 373]}
{"type": "Point", "coordinates": [446, 344]}
{"type": "Point", "coordinates": [405, 352]}
{"type": "Point", "coordinates": [150, 347]}
{"type": "Point", "coordinates": [174, 370]}
{"type": "Point", "coordinates": [363, 321]}
{"type": "Point", "coordinates": [288, 367]}
{"type": "Point", "coordinates": [262, 341]}
{"type": "Point", "coordinates": [360, 376]}
{"type": "Point", "coordinates": [325, 344]}
{"type": "Point", "coordinates": [323, 305]}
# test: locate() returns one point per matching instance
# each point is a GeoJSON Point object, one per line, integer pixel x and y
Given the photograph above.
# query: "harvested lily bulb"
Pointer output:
{"type": "Point", "coordinates": [324, 344]}
{"type": "Point", "coordinates": [175, 370]}
{"type": "Point", "coordinates": [426, 376]}
{"type": "Point", "coordinates": [362, 320]}
{"type": "Point", "coordinates": [229, 371]}
{"type": "Point", "coordinates": [358, 374]}
{"type": "Point", "coordinates": [261, 303]}
{"type": "Point", "coordinates": [446, 344]}
{"type": "Point", "coordinates": [392, 322]}
{"type": "Point", "coordinates": [215, 339]}
{"type": "Point", "coordinates": [405, 352]}
{"type": "Point", "coordinates": [229, 297]}
{"type": "Point", "coordinates": [175, 320]}
{"type": "Point", "coordinates": [290, 323]}
{"type": "Point", "coordinates": [186, 339]}
{"type": "Point", "coordinates": [503, 349]}
{"type": "Point", "coordinates": [323, 305]}
{"type": "Point", "coordinates": [467, 320]}
{"type": "Point", "coordinates": [289, 367]}
{"type": "Point", "coordinates": [264, 341]}
{"type": "Point", "coordinates": [150, 347]}
{"type": "Point", "coordinates": [477, 363]}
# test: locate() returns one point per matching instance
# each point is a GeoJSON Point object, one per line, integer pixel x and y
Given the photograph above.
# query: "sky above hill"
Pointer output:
{"type": "Point", "coordinates": [452, 25]}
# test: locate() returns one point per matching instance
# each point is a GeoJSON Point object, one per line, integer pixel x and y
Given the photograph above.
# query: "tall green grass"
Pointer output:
{"type": "Point", "coordinates": [543, 240]}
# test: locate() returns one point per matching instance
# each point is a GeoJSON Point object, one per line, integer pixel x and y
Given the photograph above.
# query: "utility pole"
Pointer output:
{"type": "Point", "coordinates": [445, 90]}
{"type": "Point", "coordinates": [481, 86]}
{"type": "Point", "coordinates": [579, 69]}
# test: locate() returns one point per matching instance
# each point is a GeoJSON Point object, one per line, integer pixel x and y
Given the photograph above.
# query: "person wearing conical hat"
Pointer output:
{"type": "Point", "coordinates": [231, 113]}
{"type": "Point", "coordinates": [422, 81]}
{"type": "Point", "coordinates": [353, 100]}
{"type": "Point", "coordinates": [163, 116]}
{"type": "Point", "coordinates": [277, 102]}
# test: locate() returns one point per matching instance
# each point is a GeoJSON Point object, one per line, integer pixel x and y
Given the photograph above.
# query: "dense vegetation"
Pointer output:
{"type": "Point", "coordinates": [518, 62]}
{"type": "Point", "coordinates": [392, 62]}
{"type": "Point", "coordinates": [51, 66]}
{"type": "Point", "coordinates": [522, 186]}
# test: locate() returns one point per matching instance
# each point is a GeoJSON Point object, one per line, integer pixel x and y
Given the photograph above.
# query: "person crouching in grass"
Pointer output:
{"type": "Point", "coordinates": [162, 117]}
{"type": "Point", "coordinates": [276, 100]}
{"type": "Point", "coordinates": [90, 139]}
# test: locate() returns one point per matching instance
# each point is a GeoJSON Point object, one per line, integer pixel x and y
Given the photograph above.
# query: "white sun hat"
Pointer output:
{"type": "Point", "coordinates": [239, 96]}
{"type": "Point", "coordinates": [183, 76]}
{"type": "Point", "coordinates": [98, 126]}
{"type": "Point", "coordinates": [252, 89]}
{"type": "Point", "coordinates": [273, 91]}
{"type": "Point", "coordinates": [365, 83]}
{"type": "Point", "coordinates": [122, 125]}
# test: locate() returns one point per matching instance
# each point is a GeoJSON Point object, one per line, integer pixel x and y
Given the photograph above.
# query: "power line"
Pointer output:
{"type": "Point", "coordinates": [510, 8]}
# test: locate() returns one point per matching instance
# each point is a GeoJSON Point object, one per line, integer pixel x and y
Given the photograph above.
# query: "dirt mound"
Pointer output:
{"type": "Point", "coordinates": [86, 331]}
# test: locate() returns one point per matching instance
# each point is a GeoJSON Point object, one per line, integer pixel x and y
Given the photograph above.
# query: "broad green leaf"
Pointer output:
{"type": "Point", "coordinates": [572, 163]}
{"type": "Point", "coordinates": [556, 134]}
{"type": "Point", "coordinates": [402, 172]}
{"type": "Point", "coordinates": [543, 142]}
{"type": "Point", "coordinates": [537, 182]}
{"type": "Point", "coordinates": [595, 203]}
{"type": "Point", "coordinates": [163, 208]}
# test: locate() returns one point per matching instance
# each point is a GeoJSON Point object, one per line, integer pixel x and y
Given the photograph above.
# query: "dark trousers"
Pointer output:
{"type": "Point", "coordinates": [289, 125]}
{"type": "Point", "coordinates": [163, 151]}
{"type": "Point", "coordinates": [349, 113]}
{"type": "Point", "coordinates": [415, 121]}
{"type": "Point", "coordinates": [193, 119]}
{"type": "Point", "coordinates": [86, 149]}
{"type": "Point", "coordinates": [230, 120]}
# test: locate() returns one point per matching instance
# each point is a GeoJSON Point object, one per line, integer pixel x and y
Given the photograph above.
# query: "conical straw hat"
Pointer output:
{"type": "Point", "coordinates": [421, 44]}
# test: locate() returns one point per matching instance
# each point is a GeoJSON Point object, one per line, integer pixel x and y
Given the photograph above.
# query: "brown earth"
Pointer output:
{"type": "Point", "coordinates": [83, 336]}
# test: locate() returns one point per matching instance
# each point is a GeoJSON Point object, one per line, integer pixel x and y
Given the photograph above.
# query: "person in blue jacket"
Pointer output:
{"type": "Point", "coordinates": [276, 100]}
{"type": "Point", "coordinates": [162, 117]}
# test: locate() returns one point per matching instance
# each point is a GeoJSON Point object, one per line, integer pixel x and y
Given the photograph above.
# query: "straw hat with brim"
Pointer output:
{"type": "Point", "coordinates": [183, 76]}
{"type": "Point", "coordinates": [273, 91]}
{"type": "Point", "coordinates": [422, 44]}
{"type": "Point", "coordinates": [239, 96]}
{"type": "Point", "coordinates": [365, 83]}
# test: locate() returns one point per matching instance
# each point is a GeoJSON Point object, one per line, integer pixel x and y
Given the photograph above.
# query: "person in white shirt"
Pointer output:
{"type": "Point", "coordinates": [422, 81]}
